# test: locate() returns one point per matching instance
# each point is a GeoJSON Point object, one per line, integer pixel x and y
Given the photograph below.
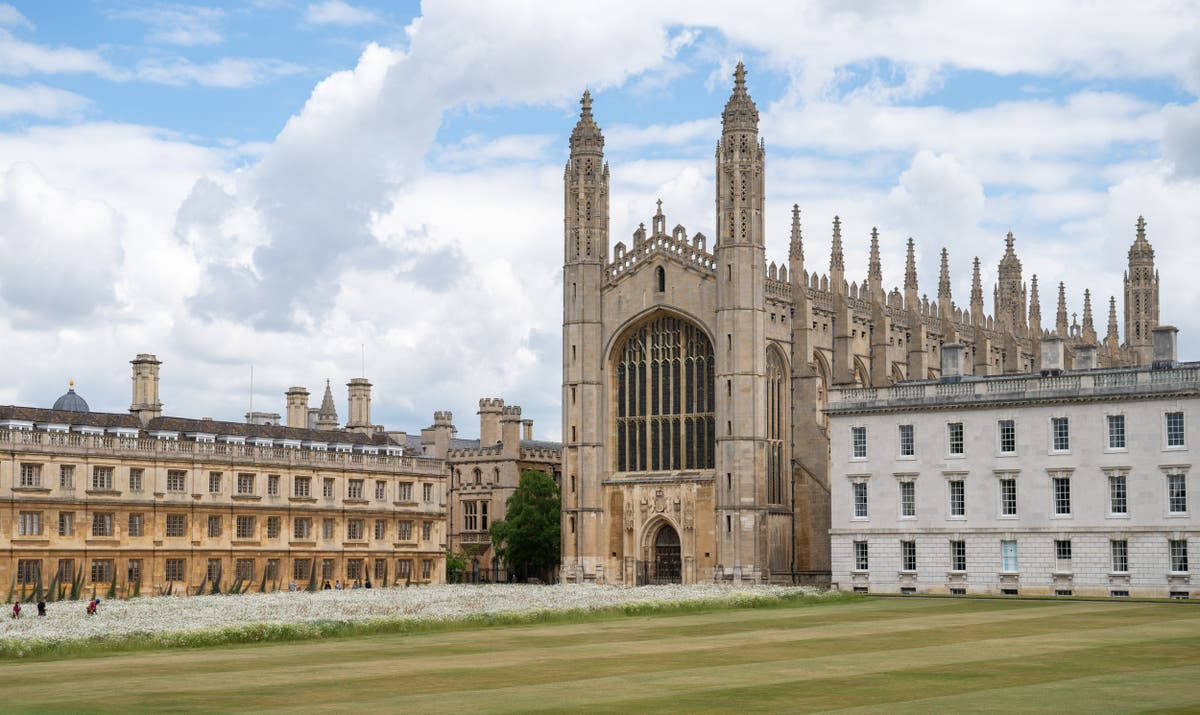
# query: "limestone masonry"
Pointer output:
{"type": "Point", "coordinates": [695, 375]}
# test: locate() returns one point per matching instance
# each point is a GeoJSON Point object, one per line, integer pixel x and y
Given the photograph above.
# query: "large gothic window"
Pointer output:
{"type": "Point", "coordinates": [777, 426]}
{"type": "Point", "coordinates": [665, 402]}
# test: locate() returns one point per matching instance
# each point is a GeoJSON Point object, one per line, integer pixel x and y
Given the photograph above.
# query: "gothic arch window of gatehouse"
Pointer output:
{"type": "Point", "coordinates": [478, 476]}
{"type": "Point", "coordinates": [496, 475]}
{"type": "Point", "coordinates": [778, 389]}
{"type": "Point", "coordinates": [665, 402]}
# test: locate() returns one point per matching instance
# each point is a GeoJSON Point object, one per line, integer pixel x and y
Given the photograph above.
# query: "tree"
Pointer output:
{"type": "Point", "coordinates": [456, 564]}
{"type": "Point", "coordinates": [528, 540]}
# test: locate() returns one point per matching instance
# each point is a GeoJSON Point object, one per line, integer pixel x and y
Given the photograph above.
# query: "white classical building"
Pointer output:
{"type": "Point", "coordinates": [1063, 482]}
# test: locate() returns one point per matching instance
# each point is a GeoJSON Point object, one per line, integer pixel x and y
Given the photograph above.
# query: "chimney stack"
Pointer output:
{"type": "Point", "coordinates": [263, 418]}
{"type": "Point", "coordinates": [1053, 355]}
{"type": "Point", "coordinates": [953, 355]}
{"type": "Point", "coordinates": [297, 407]}
{"type": "Point", "coordinates": [1166, 341]}
{"type": "Point", "coordinates": [145, 405]}
{"type": "Point", "coordinates": [526, 429]}
{"type": "Point", "coordinates": [435, 439]}
{"type": "Point", "coordinates": [359, 417]}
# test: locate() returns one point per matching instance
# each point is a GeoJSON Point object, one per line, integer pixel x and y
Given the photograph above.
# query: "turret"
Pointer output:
{"type": "Point", "coordinates": [510, 431]}
{"type": "Point", "coordinates": [1009, 293]}
{"type": "Point", "coordinates": [435, 439]}
{"type": "Point", "coordinates": [1141, 297]}
{"type": "Point", "coordinates": [586, 235]}
{"type": "Point", "coordinates": [490, 409]}
{"type": "Point", "coordinates": [145, 405]}
{"type": "Point", "coordinates": [740, 331]}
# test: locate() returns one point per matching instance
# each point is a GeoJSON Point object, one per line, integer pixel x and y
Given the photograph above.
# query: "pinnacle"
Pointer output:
{"type": "Point", "coordinates": [586, 102]}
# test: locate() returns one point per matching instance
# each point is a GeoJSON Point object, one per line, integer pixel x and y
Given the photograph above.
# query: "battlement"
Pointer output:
{"type": "Point", "coordinates": [443, 417]}
{"type": "Point", "coordinates": [511, 413]}
{"type": "Point", "coordinates": [490, 404]}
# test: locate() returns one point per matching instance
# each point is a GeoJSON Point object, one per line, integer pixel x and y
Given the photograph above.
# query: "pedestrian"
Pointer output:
{"type": "Point", "coordinates": [368, 583]}
{"type": "Point", "coordinates": [291, 586]}
{"type": "Point", "coordinates": [16, 609]}
{"type": "Point", "coordinates": [41, 606]}
{"type": "Point", "coordinates": [327, 586]}
{"type": "Point", "coordinates": [91, 607]}
{"type": "Point", "coordinates": [337, 585]}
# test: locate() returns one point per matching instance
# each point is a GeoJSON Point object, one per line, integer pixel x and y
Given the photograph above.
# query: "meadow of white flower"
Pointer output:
{"type": "Point", "coordinates": [153, 616]}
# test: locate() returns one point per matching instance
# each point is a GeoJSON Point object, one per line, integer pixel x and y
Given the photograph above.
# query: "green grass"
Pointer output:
{"type": "Point", "coordinates": [870, 655]}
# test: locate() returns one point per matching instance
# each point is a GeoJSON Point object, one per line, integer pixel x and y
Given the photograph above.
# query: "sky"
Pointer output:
{"type": "Point", "coordinates": [322, 190]}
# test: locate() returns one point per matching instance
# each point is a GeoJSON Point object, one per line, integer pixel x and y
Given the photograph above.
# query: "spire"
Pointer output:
{"type": "Point", "coordinates": [944, 296]}
{"type": "Point", "coordinates": [1089, 327]}
{"type": "Point", "coordinates": [586, 137]}
{"type": "Point", "coordinates": [1035, 309]}
{"type": "Point", "coordinates": [837, 263]}
{"type": "Point", "coordinates": [1112, 339]}
{"type": "Point", "coordinates": [327, 416]}
{"type": "Point", "coordinates": [875, 268]}
{"type": "Point", "coordinates": [910, 276]}
{"type": "Point", "coordinates": [796, 246]}
{"type": "Point", "coordinates": [976, 293]}
{"type": "Point", "coordinates": [1060, 319]}
{"type": "Point", "coordinates": [740, 112]}
{"type": "Point", "coordinates": [1141, 296]}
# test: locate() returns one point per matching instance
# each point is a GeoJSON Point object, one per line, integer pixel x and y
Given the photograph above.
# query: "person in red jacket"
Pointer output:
{"type": "Point", "coordinates": [16, 610]}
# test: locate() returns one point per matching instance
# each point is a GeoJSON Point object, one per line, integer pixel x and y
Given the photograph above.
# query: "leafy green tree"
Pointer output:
{"type": "Point", "coordinates": [528, 540]}
{"type": "Point", "coordinates": [456, 565]}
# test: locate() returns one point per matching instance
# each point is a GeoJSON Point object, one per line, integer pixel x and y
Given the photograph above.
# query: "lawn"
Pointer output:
{"type": "Point", "coordinates": [894, 655]}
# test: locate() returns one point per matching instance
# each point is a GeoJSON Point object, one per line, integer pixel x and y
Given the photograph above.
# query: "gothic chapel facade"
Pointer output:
{"type": "Point", "coordinates": [694, 377]}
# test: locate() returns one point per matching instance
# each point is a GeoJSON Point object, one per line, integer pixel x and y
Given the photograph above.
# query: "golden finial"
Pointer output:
{"type": "Point", "coordinates": [72, 384]}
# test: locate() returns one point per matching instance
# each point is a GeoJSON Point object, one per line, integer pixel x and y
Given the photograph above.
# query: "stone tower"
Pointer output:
{"type": "Point", "coordinates": [1141, 297]}
{"type": "Point", "coordinates": [145, 405]}
{"type": "Point", "coordinates": [358, 416]}
{"type": "Point", "coordinates": [1009, 292]}
{"type": "Point", "coordinates": [585, 249]}
{"type": "Point", "coordinates": [297, 407]}
{"type": "Point", "coordinates": [741, 493]}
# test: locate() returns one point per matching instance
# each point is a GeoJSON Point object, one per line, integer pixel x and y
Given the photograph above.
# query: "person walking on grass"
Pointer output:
{"type": "Point", "coordinates": [91, 607]}
{"type": "Point", "coordinates": [16, 613]}
{"type": "Point", "coordinates": [41, 606]}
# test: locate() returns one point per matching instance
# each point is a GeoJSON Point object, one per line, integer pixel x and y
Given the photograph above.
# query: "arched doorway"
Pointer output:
{"type": "Point", "coordinates": [667, 562]}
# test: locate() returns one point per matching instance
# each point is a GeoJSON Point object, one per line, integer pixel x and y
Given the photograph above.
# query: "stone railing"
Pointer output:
{"type": "Point", "coordinates": [150, 448]}
{"type": "Point", "coordinates": [778, 289]}
{"type": "Point", "coordinates": [970, 390]}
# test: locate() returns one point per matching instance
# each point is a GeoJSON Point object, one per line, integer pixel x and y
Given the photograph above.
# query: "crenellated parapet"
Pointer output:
{"type": "Point", "coordinates": [692, 252]}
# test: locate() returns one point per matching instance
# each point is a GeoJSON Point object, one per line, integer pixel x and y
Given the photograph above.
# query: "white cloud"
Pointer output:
{"type": "Point", "coordinates": [40, 101]}
{"type": "Point", "coordinates": [10, 16]}
{"type": "Point", "coordinates": [228, 72]}
{"type": "Point", "coordinates": [336, 12]}
{"type": "Point", "coordinates": [178, 24]}
{"type": "Point", "coordinates": [21, 58]}
{"type": "Point", "coordinates": [1181, 139]}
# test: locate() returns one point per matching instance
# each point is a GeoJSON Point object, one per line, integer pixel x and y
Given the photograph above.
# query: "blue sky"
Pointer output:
{"type": "Point", "coordinates": [287, 183]}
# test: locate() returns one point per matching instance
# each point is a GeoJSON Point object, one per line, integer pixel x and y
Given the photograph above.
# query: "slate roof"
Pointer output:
{"type": "Point", "coordinates": [90, 419]}
{"type": "Point", "coordinates": [243, 429]}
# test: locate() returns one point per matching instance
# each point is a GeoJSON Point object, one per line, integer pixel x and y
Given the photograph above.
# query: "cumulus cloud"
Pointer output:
{"type": "Point", "coordinates": [70, 250]}
{"type": "Point", "coordinates": [1181, 140]}
{"type": "Point", "coordinates": [358, 225]}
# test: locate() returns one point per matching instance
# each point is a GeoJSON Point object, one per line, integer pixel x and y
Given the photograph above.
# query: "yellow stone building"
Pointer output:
{"type": "Point", "coordinates": [153, 502]}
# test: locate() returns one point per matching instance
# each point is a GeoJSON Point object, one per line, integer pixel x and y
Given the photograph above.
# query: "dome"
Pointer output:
{"type": "Point", "coordinates": [71, 402]}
